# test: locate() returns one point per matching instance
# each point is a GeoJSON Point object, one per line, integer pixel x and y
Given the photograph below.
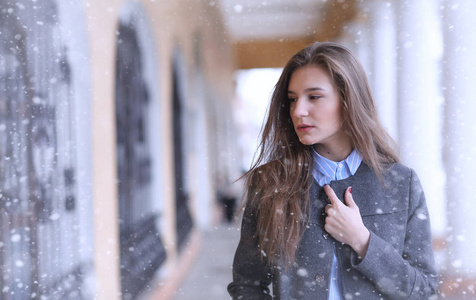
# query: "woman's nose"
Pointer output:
{"type": "Point", "coordinates": [300, 108]}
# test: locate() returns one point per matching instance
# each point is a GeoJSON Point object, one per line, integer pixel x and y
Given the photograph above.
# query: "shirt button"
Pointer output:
{"type": "Point", "coordinates": [340, 166]}
{"type": "Point", "coordinates": [325, 236]}
{"type": "Point", "coordinates": [319, 278]}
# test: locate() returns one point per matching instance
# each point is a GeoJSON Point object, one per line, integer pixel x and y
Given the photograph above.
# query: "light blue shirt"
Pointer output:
{"type": "Point", "coordinates": [324, 172]}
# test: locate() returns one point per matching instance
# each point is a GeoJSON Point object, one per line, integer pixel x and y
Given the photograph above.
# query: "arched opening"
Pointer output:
{"type": "Point", "coordinates": [141, 248]}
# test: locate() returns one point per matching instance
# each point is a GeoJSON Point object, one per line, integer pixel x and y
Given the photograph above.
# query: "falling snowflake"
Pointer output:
{"type": "Point", "coordinates": [422, 216]}
{"type": "Point", "coordinates": [302, 272]}
{"type": "Point", "coordinates": [15, 238]}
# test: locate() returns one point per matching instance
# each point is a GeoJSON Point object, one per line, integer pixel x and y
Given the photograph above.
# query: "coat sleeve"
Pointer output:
{"type": "Point", "coordinates": [407, 275]}
{"type": "Point", "coordinates": [251, 276]}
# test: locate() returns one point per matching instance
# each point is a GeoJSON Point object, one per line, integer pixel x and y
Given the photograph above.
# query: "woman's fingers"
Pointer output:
{"type": "Point", "coordinates": [349, 200]}
{"type": "Point", "coordinates": [330, 211]}
{"type": "Point", "coordinates": [331, 195]}
{"type": "Point", "coordinates": [344, 222]}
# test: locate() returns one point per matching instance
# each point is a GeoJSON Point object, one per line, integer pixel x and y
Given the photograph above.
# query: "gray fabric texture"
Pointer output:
{"type": "Point", "coordinates": [399, 263]}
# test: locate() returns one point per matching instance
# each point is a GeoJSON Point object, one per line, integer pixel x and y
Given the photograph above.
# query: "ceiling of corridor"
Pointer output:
{"type": "Point", "coordinates": [249, 20]}
{"type": "Point", "coordinates": [265, 33]}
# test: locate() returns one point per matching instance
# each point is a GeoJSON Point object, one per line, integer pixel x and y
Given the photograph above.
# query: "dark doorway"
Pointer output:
{"type": "Point", "coordinates": [141, 248]}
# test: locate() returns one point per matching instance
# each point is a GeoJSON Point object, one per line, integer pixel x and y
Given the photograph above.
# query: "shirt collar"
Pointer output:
{"type": "Point", "coordinates": [326, 170]}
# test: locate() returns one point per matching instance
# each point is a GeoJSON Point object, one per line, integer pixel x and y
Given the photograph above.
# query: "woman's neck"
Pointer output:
{"type": "Point", "coordinates": [335, 153]}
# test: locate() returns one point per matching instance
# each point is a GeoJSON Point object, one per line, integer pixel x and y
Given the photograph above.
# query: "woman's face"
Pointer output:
{"type": "Point", "coordinates": [316, 110]}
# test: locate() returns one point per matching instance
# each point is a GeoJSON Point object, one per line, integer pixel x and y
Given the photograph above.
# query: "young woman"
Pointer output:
{"type": "Point", "coordinates": [330, 212]}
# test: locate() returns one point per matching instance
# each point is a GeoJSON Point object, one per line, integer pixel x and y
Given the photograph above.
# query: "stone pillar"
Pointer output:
{"type": "Point", "coordinates": [355, 36]}
{"type": "Point", "coordinates": [420, 101]}
{"type": "Point", "coordinates": [459, 83]}
{"type": "Point", "coordinates": [372, 38]}
{"type": "Point", "coordinates": [383, 43]}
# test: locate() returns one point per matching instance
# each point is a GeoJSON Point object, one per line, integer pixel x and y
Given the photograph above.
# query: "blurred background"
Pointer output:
{"type": "Point", "coordinates": [124, 125]}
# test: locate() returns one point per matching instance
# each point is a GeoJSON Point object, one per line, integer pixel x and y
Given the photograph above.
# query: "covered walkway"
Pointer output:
{"type": "Point", "coordinates": [211, 270]}
{"type": "Point", "coordinates": [118, 130]}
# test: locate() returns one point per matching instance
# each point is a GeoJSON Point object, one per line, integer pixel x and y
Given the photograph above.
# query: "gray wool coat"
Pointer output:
{"type": "Point", "coordinates": [399, 263]}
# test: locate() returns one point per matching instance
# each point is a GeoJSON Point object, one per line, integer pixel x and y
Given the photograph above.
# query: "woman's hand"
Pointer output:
{"type": "Point", "coordinates": [344, 222]}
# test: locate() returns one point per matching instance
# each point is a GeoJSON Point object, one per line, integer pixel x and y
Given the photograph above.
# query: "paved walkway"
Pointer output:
{"type": "Point", "coordinates": [211, 272]}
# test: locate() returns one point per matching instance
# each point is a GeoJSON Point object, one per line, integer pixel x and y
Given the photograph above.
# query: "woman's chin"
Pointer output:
{"type": "Point", "coordinates": [306, 142]}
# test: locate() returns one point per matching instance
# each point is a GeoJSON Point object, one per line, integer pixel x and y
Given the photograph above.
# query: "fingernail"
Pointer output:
{"type": "Point", "coordinates": [350, 190]}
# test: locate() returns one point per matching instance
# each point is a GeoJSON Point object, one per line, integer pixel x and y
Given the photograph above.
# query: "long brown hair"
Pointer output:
{"type": "Point", "coordinates": [278, 182]}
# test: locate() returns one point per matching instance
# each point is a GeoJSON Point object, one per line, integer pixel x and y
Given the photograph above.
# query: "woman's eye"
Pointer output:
{"type": "Point", "coordinates": [315, 97]}
{"type": "Point", "coordinates": [292, 99]}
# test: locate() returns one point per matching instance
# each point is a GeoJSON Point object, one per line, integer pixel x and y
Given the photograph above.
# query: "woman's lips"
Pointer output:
{"type": "Point", "coordinates": [304, 127]}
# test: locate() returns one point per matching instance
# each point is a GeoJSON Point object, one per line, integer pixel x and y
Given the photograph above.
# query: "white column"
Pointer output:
{"type": "Point", "coordinates": [383, 41]}
{"type": "Point", "coordinates": [202, 178]}
{"type": "Point", "coordinates": [355, 36]}
{"type": "Point", "coordinates": [420, 101]}
{"type": "Point", "coordinates": [459, 82]}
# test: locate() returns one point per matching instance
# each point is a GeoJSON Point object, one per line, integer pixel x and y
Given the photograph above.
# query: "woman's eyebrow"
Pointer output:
{"type": "Point", "coordinates": [311, 89]}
